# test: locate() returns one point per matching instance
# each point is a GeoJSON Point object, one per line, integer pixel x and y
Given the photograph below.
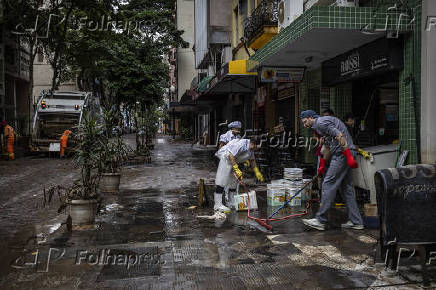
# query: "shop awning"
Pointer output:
{"type": "Point", "coordinates": [233, 78]}
{"type": "Point", "coordinates": [178, 107]}
{"type": "Point", "coordinates": [324, 32]}
{"type": "Point", "coordinates": [202, 86]}
{"type": "Point", "coordinates": [188, 96]}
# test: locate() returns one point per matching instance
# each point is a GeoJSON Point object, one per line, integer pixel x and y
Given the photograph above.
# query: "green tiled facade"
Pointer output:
{"type": "Point", "coordinates": [341, 99]}
{"type": "Point", "coordinates": [340, 102]}
{"type": "Point", "coordinates": [310, 100]}
{"type": "Point", "coordinates": [412, 66]}
{"type": "Point", "coordinates": [331, 17]}
{"type": "Point", "coordinates": [372, 17]}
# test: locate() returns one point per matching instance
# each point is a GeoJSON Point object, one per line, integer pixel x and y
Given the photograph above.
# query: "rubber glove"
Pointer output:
{"type": "Point", "coordinates": [321, 169]}
{"type": "Point", "coordinates": [259, 175]}
{"type": "Point", "coordinates": [365, 154]}
{"type": "Point", "coordinates": [247, 163]}
{"type": "Point", "coordinates": [350, 159]}
{"type": "Point", "coordinates": [237, 171]}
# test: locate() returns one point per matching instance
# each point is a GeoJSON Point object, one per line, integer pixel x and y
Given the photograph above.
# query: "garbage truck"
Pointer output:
{"type": "Point", "coordinates": [56, 112]}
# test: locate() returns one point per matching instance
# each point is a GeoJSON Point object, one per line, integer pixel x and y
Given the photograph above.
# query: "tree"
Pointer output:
{"type": "Point", "coordinates": [125, 65]}
{"type": "Point", "coordinates": [115, 47]}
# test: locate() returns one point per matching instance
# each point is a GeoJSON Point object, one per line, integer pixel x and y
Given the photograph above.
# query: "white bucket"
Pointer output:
{"type": "Point", "coordinates": [296, 201]}
{"type": "Point", "coordinates": [276, 195]}
{"type": "Point", "coordinates": [240, 201]}
{"type": "Point", "coordinates": [293, 173]}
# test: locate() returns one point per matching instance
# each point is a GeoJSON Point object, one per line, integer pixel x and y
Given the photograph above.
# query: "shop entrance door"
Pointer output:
{"type": "Point", "coordinates": [377, 99]}
{"type": "Point", "coordinates": [387, 121]}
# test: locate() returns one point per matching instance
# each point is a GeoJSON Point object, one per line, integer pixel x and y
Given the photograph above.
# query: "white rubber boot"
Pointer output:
{"type": "Point", "coordinates": [218, 198]}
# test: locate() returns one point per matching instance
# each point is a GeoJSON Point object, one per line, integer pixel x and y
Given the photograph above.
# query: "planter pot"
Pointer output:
{"type": "Point", "coordinates": [82, 211]}
{"type": "Point", "coordinates": [110, 182]}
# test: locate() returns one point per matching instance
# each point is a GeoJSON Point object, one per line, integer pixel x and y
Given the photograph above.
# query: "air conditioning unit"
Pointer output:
{"type": "Point", "coordinates": [289, 10]}
{"type": "Point", "coordinates": [347, 3]}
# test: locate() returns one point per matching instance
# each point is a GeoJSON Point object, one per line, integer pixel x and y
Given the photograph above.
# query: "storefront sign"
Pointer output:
{"type": "Point", "coordinates": [350, 65]}
{"type": "Point", "coordinates": [282, 75]}
{"type": "Point", "coordinates": [379, 63]}
{"type": "Point", "coordinates": [376, 57]}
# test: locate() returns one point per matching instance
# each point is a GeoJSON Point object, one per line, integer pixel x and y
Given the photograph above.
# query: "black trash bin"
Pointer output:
{"type": "Point", "coordinates": [406, 201]}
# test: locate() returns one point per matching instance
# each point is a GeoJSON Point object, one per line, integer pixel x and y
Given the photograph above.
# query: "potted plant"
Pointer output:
{"type": "Point", "coordinates": [81, 198]}
{"type": "Point", "coordinates": [148, 127]}
{"type": "Point", "coordinates": [113, 152]}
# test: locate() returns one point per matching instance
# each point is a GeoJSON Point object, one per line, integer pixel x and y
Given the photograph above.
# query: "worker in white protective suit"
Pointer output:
{"type": "Point", "coordinates": [234, 152]}
{"type": "Point", "coordinates": [232, 134]}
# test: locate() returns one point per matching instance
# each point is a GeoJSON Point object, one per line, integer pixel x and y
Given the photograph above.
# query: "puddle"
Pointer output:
{"type": "Point", "coordinates": [54, 228]}
{"type": "Point", "coordinates": [113, 206]}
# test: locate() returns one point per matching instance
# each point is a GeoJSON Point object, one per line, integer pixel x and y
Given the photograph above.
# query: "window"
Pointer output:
{"type": "Point", "coordinates": [236, 32]}
{"type": "Point", "coordinates": [252, 6]}
{"type": "Point", "coordinates": [243, 10]}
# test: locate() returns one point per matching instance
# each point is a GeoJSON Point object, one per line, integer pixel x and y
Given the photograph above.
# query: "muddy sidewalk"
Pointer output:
{"type": "Point", "coordinates": [147, 236]}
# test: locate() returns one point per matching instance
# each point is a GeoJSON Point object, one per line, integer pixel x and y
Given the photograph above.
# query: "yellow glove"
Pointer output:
{"type": "Point", "coordinates": [259, 175]}
{"type": "Point", "coordinates": [247, 163]}
{"type": "Point", "coordinates": [365, 154]}
{"type": "Point", "coordinates": [237, 171]}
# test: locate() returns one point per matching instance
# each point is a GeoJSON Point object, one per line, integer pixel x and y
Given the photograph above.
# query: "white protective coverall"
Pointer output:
{"type": "Point", "coordinates": [240, 149]}
{"type": "Point", "coordinates": [228, 136]}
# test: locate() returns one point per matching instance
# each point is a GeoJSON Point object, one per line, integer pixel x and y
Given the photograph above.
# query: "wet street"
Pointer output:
{"type": "Point", "coordinates": [148, 235]}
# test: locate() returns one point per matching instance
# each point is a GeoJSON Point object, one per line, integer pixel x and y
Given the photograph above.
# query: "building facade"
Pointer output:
{"type": "Point", "coordinates": [370, 58]}
{"type": "Point", "coordinates": [15, 99]}
{"type": "Point", "coordinates": [212, 51]}
{"type": "Point", "coordinates": [428, 84]}
{"type": "Point", "coordinates": [42, 77]}
{"type": "Point", "coordinates": [225, 89]}
{"type": "Point", "coordinates": [365, 58]}
{"type": "Point", "coordinates": [183, 69]}
{"type": "Point", "coordinates": [185, 56]}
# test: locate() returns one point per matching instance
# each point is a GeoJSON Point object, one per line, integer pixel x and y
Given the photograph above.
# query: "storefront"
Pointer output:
{"type": "Point", "coordinates": [371, 75]}
{"type": "Point", "coordinates": [278, 96]}
{"type": "Point", "coordinates": [232, 92]}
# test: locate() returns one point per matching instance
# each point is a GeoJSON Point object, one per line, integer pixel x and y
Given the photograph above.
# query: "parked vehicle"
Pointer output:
{"type": "Point", "coordinates": [56, 112]}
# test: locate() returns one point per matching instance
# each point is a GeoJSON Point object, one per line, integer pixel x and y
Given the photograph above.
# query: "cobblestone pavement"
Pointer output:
{"type": "Point", "coordinates": [148, 237]}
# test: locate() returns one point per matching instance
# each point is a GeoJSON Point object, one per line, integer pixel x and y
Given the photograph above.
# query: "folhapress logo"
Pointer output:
{"type": "Point", "coordinates": [431, 23]}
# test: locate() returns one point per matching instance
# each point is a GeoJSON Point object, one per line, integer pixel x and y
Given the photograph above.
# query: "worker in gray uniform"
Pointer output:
{"type": "Point", "coordinates": [338, 174]}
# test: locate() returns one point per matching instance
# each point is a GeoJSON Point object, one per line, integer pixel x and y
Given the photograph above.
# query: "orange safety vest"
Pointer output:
{"type": "Point", "coordinates": [64, 138]}
{"type": "Point", "coordinates": [9, 134]}
{"type": "Point", "coordinates": [64, 141]}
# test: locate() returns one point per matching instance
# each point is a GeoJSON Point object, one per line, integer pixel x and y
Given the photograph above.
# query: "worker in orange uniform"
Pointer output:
{"type": "Point", "coordinates": [9, 136]}
{"type": "Point", "coordinates": [64, 142]}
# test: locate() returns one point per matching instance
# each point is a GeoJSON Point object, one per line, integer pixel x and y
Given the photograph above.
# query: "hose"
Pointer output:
{"type": "Point", "coordinates": [264, 222]}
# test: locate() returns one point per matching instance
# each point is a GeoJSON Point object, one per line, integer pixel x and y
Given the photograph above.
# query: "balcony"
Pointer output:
{"type": "Point", "coordinates": [262, 25]}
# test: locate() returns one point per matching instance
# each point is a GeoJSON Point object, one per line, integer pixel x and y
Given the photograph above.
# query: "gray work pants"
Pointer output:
{"type": "Point", "coordinates": [338, 175]}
